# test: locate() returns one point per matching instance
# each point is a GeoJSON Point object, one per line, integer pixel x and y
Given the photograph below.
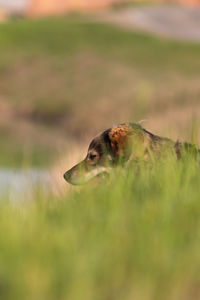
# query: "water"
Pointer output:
{"type": "Point", "coordinates": [18, 184]}
{"type": "Point", "coordinates": [14, 4]}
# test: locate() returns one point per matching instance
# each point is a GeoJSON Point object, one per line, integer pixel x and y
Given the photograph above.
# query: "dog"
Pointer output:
{"type": "Point", "coordinates": [119, 145]}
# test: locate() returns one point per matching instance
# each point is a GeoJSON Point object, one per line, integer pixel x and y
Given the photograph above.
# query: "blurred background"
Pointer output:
{"type": "Point", "coordinates": [72, 68]}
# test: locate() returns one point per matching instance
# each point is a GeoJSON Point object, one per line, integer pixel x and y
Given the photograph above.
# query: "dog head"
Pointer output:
{"type": "Point", "coordinates": [106, 150]}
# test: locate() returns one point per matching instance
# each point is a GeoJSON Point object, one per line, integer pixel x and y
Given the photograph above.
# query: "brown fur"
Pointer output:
{"type": "Point", "coordinates": [119, 137]}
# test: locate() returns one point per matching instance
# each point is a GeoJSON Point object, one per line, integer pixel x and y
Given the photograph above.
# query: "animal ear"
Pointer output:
{"type": "Point", "coordinates": [119, 139]}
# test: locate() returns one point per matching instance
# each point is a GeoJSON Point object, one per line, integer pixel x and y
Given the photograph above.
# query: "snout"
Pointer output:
{"type": "Point", "coordinates": [81, 174]}
{"type": "Point", "coordinates": [75, 175]}
{"type": "Point", "coordinates": [67, 176]}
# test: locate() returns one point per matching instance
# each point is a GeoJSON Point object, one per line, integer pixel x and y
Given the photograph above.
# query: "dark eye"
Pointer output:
{"type": "Point", "coordinates": [92, 156]}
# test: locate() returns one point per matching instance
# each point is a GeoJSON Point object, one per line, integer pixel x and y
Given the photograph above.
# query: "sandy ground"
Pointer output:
{"type": "Point", "coordinates": [172, 21]}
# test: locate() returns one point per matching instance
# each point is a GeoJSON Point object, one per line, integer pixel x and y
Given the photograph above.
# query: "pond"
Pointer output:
{"type": "Point", "coordinates": [19, 183]}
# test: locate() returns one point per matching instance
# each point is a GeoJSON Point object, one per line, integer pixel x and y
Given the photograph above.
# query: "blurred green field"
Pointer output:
{"type": "Point", "coordinates": [65, 79]}
{"type": "Point", "coordinates": [135, 236]}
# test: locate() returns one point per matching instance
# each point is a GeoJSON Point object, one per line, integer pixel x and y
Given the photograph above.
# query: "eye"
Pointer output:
{"type": "Point", "coordinates": [92, 156]}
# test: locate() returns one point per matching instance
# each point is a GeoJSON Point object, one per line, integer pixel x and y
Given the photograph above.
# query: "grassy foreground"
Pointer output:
{"type": "Point", "coordinates": [136, 236]}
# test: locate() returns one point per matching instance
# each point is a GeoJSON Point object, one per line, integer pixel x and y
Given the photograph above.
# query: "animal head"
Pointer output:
{"type": "Point", "coordinates": [108, 149]}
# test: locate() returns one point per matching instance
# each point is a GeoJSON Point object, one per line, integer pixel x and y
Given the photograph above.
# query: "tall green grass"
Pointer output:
{"type": "Point", "coordinates": [134, 236]}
